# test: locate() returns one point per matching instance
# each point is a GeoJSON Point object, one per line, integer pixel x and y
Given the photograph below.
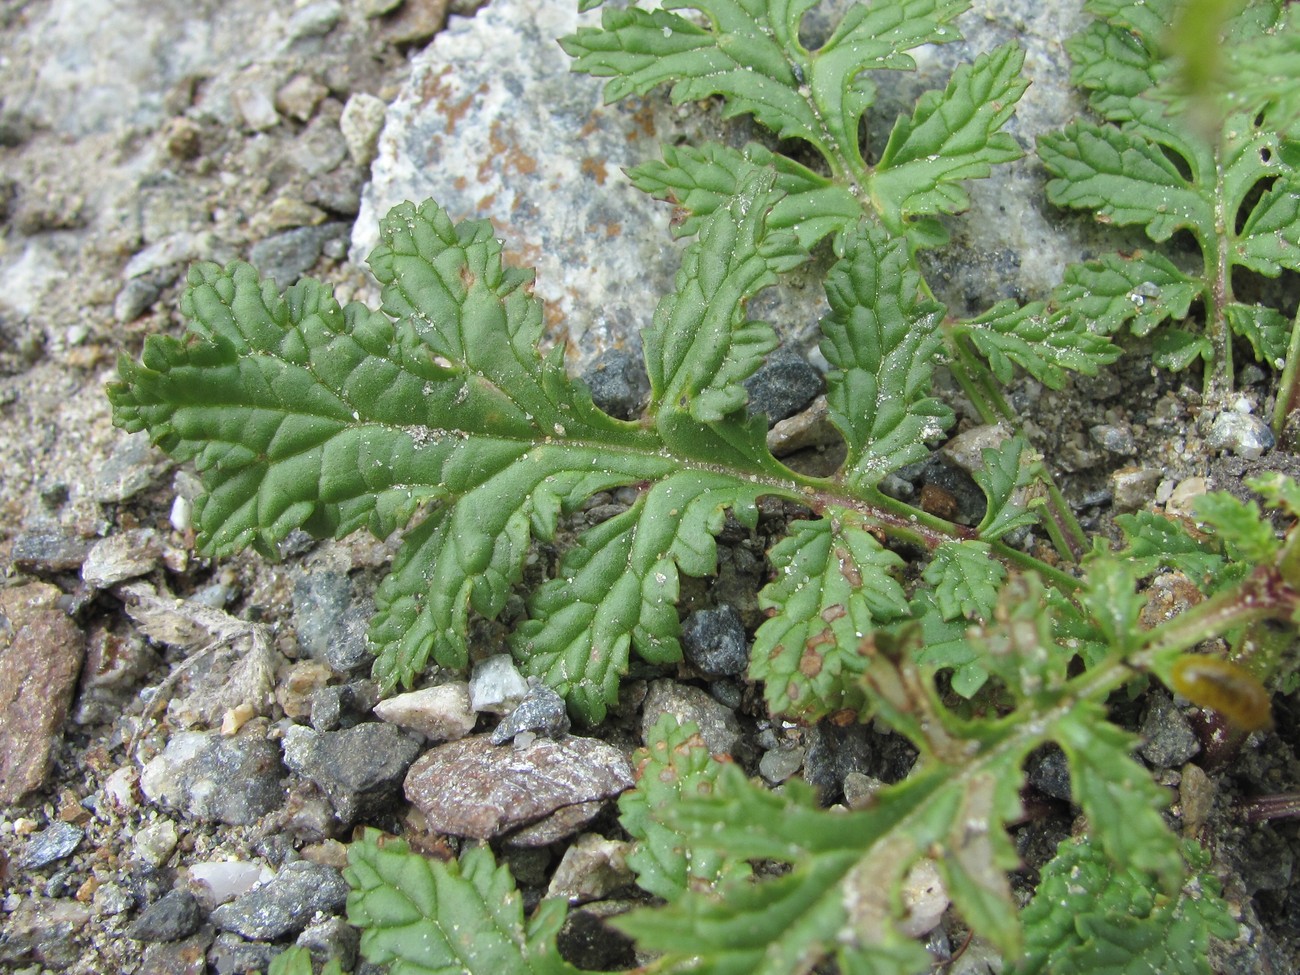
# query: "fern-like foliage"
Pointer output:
{"type": "Point", "coordinates": [750, 53]}
{"type": "Point", "coordinates": [1221, 168]}
{"type": "Point", "coordinates": [1088, 919]}
{"type": "Point", "coordinates": [438, 417]}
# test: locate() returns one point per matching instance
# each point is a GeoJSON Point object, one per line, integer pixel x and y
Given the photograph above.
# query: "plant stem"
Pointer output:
{"type": "Point", "coordinates": [1287, 390]}
{"type": "Point", "coordinates": [975, 380]}
{"type": "Point", "coordinates": [1262, 595]}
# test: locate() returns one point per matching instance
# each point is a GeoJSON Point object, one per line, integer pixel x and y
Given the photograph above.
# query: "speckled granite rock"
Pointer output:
{"type": "Point", "coordinates": [541, 156]}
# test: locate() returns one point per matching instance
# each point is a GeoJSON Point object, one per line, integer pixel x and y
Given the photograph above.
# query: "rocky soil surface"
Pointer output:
{"type": "Point", "coordinates": [186, 745]}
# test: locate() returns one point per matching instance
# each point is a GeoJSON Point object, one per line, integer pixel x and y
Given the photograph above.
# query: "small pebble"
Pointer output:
{"type": "Point", "coordinates": [284, 904]}
{"type": "Point", "coordinates": [1133, 488]}
{"type": "Point", "coordinates": [360, 769]}
{"type": "Point", "coordinates": [1182, 499]}
{"type": "Point", "coordinates": [225, 880]}
{"type": "Point", "coordinates": [1167, 736]}
{"type": "Point", "coordinates": [542, 711]}
{"type": "Point", "coordinates": [618, 383]}
{"type": "Point", "coordinates": [361, 123]}
{"type": "Point", "coordinates": [1117, 439]}
{"type": "Point", "coordinates": [779, 764]}
{"type": "Point", "coordinates": [782, 386]}
{"type": "Point", "coordinates": [592, 868]}
{"type": "Point", "coordinates": [126, 555]}
{"type": "Point", "coordinates": [713, 640]}
{"type": "Point", "coordinates": [718, 724]}
{"type": "Point", "coordinates": [496, 686]}
{"type": "Point", "coordinates": [56, 841]}
{"type": "Point", "coordinates": [175, 915]}
{"type": "Point", "coordinates": [154, 844]}
{"type": "Point", "coordinates": [1245, 435]}
{"type": "Point", "coordinates": [441, 713]}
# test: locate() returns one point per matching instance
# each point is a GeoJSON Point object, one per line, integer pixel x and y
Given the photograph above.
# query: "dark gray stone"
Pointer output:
{"type": "Point", "coordinates": [215, 779]}
{"type": "Point", "coordinates": [717, 723]}
{"type": "Point", "coordinates": [185, 957]}
{"type": "Point", "coordinates": [782, 386]}
{"type": "Point", "coordinates": [542, 711]}
{"type": "Point", "coordinates": [833, 753]}
{"type": "Point", "coordinates": [1049, 773]}
{"type": "Point", "coordinates": [287, 256]}
{"type": "Point", "coordinates": [1167, 737]}
{"type": "Point", "coordinates": [177, 914]}
{"type": "Point", "coordinates": [329, 627]}
{"type": "Point", "coordinates": [359, 769]}
{"type": "Point", "coordinates": [130, 468]}
{"type": "Point", "coordinates": [231, 955]}
{"type": "Point", "coordinates": [285, 903]}
{"type": "Point", "coordinates": [331, 939]}
{"type": "Point", "coordinates": [338, 191]}
{"type": "Point", "coordinates": [48, 548]}
{"type": "Point", "coordinates": [138, 294]}
{"type": "Point", "coordinates": [56, 841]}
{"type": "Point", "coordinates": [714, 642]}
{"type": "Point", "coordinates": [618, 383]}
{"type": "Point", "coordinates": [343, 705]}
{"type": "Point", "coordinates": [1117, 439]}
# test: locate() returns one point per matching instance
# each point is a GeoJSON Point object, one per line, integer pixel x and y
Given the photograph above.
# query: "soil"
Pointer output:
{"type": "Point", "coordinates": [87, 198]}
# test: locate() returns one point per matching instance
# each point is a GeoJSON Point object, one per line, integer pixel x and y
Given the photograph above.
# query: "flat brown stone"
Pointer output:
{"type": "Point", "coordinates": [474, 788]}
{"type": "Point", "coordinates": [41, 651]}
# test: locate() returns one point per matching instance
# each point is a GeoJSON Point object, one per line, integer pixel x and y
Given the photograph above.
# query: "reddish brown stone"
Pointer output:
{"type": "Point", "coordinates": [40, 656]}
{"type": "Point", "coordinates": [474, 788]}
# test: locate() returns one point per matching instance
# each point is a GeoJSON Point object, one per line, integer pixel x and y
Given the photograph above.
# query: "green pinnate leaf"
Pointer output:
{"type": "Point", "coordinates": [1117, 794]}
{"type": "Point", "coordinates": [1238, 525]}
{"type": "Point", "coordinates": [1215, 163]}
{"type": "Point", "coordinates": [297, 961]}
{"type": "Point", "coordinates": [1156, 542]}
{"type": "Point", "coordinates": [966, 579]}
{"type": "Point", "coordinates": [749, 52]}
{"type": "Point", "coordinates": [426, 917]}
{"type": "Point", "coordinates": [1141, 290]}
{"type": "Point", "coordinates": [701, 179]}
{"type": "Point", "coordinates": [1278, 491]}
{"type": "Point", "coordinates": [1087, 918]}
{"type": "Point", "coordinates": [834, 586]}
{"type": "Point", "coordinates": [1111, 599]}
{"type": "Point", "coordinates": [1124, 177]}
{"type": "Point", "coordinates": [581, 624]}
{"type": "Point", "coordinates": [701, 347]}
{"type": "Point", "coordinates": [953, 135]}
{"type": "Point", "coordinates": [1044, 344]}
{"type": "Point", "coordinates": [1008, 471]}
{"type": "Point", "coordinates": [881, 338]}
{"type": "Point", "coordinates": [674, 766]}
{"type": "Point", "coordinates": [945, 644]}
{"type": "Point", "coordinates": [439, 410]}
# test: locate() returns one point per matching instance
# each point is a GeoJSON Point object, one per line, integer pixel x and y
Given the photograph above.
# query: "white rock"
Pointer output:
{"type": "Point", "coordinates": [361, 123]}
{"type": "Point", "coordinates": [119, 557]}
{"type": "Point", "coordinates": [155, 843]}
{"type": "Point", "coordinates": [496, 685]}
{"type": "Point", "coordinates": [592, 868]}
{"type": "Point", "coordinates": [227, 879]}
{"type": "Point", "coordinates": [1183, 498]}
{"type": "Point", "coordinates": [925, 898]}
{"type": "Point", "coordinates": [441, 713]}
{"type": "Point", "coordinates": [257, 107]}
{"type": "Point", "coordinates": [966, 450]}
{"type": "Point", "coordinates": [119, 787]}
